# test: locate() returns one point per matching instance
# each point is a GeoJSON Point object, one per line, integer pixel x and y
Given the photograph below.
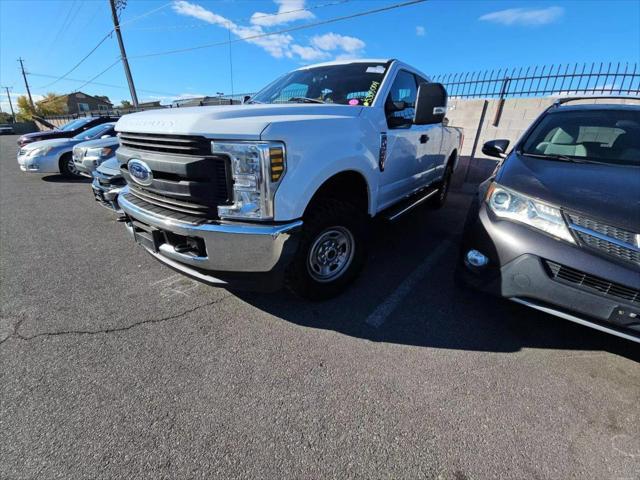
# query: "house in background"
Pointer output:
{"type": "Point", "coordinates": [78, 102]}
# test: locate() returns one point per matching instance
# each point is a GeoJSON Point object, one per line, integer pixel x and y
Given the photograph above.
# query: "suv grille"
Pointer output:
{"type": "Point", "coordinates": [605, 238]}
{"type": "Point", "coordinates": [592, 283]}
{"type": "Point", "coordinates": [187, 178]}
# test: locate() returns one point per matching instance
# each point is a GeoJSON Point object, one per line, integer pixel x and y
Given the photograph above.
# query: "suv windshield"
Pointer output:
{"type": "Point", "coordinates": [604, 136]}
{"type": "Point", "coordinates": [74, 124]}
{"type": "Point", "coordinates": [95, 132]}
{"type": "Point", "coordinates": [347, 84]}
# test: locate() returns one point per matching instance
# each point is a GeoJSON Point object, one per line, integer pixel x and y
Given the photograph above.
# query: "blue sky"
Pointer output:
{"type": "Point", "coordinates": [437, 36]}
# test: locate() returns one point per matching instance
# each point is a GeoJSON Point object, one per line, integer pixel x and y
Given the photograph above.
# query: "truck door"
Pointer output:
{"type": "Point", "coordinates": [401, 169]}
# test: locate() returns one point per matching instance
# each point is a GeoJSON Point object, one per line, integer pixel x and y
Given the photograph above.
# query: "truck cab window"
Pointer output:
{"type": "Point", "coordinates": [401, 102]}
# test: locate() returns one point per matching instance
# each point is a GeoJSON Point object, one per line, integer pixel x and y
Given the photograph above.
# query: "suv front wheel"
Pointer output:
{"type": "Point", "coordinates": [332, 250]}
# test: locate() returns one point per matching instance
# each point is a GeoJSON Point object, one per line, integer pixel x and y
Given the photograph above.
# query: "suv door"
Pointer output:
{"type": "Point", "coordinates": [399, 176]}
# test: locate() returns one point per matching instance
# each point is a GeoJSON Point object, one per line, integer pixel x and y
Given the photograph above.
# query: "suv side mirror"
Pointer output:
{"type": "Point", "coordinates": [496, 148]}
{"type": "Point", "coordinates": [431, 104]}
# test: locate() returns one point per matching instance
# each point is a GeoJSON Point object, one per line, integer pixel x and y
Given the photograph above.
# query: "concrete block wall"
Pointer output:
{"type": "Point", "coordinates": [517, 116]}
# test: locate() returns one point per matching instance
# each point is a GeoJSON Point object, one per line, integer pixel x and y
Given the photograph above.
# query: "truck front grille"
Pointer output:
{"type": "Point", "coordinates": [607, 239]}
{"type": "Point", "coordinates": [177, 144]}
{"type": "Point", "coordinates": [591, 283]}
{"type": "Point", "coordinates": [187, 177]}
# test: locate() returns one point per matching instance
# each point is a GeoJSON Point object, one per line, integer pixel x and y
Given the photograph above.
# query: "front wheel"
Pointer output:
{"type": "Point", "coordinates": [439, 199]}
{"type": "Point", "coordinates": [68, 167]}
{"type": "Point", "coordinates": [332, 250]}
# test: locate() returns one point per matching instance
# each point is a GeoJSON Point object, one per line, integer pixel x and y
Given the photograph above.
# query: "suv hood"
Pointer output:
{"type": "Point", "coordinates": [243, 122]}
{"type": "Point", "coordinates": [606, 192]}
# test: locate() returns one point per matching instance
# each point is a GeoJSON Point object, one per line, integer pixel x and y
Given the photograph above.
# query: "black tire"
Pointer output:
{"type": "Point", "coordinates": [67, 169]}
{"type": "Point", "coordinates": [440, 198]}
{"type": "Point", "coordinates": [341, 228]}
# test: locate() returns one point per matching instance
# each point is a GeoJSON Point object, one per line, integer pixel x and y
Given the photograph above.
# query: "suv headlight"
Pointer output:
{"type": "Point", "coordinates": [511, 205]}
{"type": "Point", "coordinates": [257, 169]}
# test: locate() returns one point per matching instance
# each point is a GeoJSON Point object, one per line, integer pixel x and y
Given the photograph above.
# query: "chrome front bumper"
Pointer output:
{"type": "Point", "coordinates": [230, 247]}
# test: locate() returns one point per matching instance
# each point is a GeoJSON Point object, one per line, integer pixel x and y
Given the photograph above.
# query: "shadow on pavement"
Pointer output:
{"type": "Point", "coordinates": [63, 179]}
{"type": "Point", "coordinates": [435, 312]}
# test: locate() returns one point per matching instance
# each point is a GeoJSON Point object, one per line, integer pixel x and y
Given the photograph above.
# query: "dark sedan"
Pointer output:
{"type": "Point", "coordinates": [68, 130]}
{"type": "Point", "coordinates": [557, 226]}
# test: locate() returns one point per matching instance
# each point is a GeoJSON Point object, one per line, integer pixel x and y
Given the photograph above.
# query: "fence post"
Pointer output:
{"type": "Point", "coordinates": [476, 139]}
{"type": "Point", "coordinates": [500, 106]}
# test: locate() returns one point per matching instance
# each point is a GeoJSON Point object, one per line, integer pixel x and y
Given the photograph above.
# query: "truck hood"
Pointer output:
{"type": "Point", "coordinates": [606, 192]}
{"type": "Point", "coordinates": [242, 122]}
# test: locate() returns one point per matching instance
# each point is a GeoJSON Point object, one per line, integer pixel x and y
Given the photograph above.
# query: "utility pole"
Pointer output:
{"type": "Point", "coordinates": [26, 84]}
{"type": "Point", "coordinates": [123, 53]}
{"type": "Point", "coordinates": [10, 104]}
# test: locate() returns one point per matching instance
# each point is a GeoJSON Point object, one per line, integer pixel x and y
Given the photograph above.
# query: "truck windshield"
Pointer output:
{"type": "Point", "coordinates": [347, 84]}
{"type": "Point", "coordinates": [602, 136]}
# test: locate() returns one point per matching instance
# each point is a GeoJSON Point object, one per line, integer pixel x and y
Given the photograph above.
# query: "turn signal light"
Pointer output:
{"type": "Point", "coordinates": [276, 155]}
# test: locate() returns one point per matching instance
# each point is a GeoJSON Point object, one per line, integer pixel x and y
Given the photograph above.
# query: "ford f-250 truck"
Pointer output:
{"type": "Point", "coordinates": [280, 189]}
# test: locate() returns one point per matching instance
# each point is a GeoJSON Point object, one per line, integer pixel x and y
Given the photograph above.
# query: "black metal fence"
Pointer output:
{"type": "Point", "coordinates": [547, 80]}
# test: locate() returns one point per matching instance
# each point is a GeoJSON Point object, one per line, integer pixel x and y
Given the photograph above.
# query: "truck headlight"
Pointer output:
{"type": "Point", "coordinates": [257, 169]}
{"type": "Point", "coordinates": [511, 205]}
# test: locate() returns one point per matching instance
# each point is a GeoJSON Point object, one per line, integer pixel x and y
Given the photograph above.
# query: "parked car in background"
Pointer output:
{"type": "Point", "coordinates": [282, 187]}
{"type": "Point", "coordinates": [557, 227]}
{"type": "Point", "coordinates": [69, 130]}
{"type": "Point", "coordinates": [53, 156]}
{"type": "Point", "coordinates": [6, 129]}
{"type": "Point", "coordinates": [87, 156]}
{"type": "Point", "coordinates": [107, 185]}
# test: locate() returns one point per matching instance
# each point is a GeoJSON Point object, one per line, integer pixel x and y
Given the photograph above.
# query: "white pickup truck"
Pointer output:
{"type": "Point", "coordinates": [280, 189]}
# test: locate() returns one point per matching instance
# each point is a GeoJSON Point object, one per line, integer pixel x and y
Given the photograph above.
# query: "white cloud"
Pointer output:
{"type": "Point", "coordinates": [279, 45]}
{"type": "Point", "coordinates": [334, 41]}
{"type": "Point", "coordinates": [309, 53]}
{"type": "Point", "coordinates": [524, 16]}
{"type": "Point", "coordinates": [288, 11]}
{"type": "Point", "coordinates": [420, 31]}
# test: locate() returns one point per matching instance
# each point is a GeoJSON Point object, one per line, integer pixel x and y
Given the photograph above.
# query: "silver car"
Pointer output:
{"type": "Point", "coordinates": [106, 185]}
{"type": "Point", "coordinates": [55, 155]}
{"type": "Point", "coordinates": [87, 156]}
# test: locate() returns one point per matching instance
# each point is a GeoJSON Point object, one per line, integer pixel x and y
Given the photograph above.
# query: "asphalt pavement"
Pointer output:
{"type": "Point", "coordinates": [113, 366]}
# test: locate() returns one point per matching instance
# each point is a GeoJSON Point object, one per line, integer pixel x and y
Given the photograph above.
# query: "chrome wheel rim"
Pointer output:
{"type": "Point", "coordinates": [330, 254]}
{"type": "Point", "coordinates": [71, 166]}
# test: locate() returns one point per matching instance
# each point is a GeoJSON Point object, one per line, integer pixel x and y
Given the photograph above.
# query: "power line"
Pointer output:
{"type": "Point", "coordinates": [286, 30]}
{"type": "Point", "coordinates": [110, 85]}
{"type": "Point", "coordinates": [99, 75]}
{"type": "Point", "coordinates": [192, 25]}
{"type": "Point", "coordinates": [108, 35]}
{"type": "Point", "coordinates": [146, 14]}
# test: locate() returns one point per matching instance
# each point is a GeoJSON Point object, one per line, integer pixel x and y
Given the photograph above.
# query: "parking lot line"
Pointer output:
{"type": "Point", "coordinates": [382, 311]}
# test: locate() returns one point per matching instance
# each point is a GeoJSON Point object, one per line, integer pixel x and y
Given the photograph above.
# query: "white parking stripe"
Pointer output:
{"type": "Point", "coordinates": [386, 308]}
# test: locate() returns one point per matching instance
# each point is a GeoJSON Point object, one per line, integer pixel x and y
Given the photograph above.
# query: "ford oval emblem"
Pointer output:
{"type": "Point", "coordinates": [140, 172]}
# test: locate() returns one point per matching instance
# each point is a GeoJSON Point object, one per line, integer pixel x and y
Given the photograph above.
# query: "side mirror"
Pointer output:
{"type": "Point", "coordinates": [396, 106]}
{"type": "Point", "coordinates": [246, 98]}
{"type": "Point", "coordinates": [496, 148]}
{"type": "Point", "coordinates": [431, 104]}
{"type": "Point", "coordinates": [105, 136]}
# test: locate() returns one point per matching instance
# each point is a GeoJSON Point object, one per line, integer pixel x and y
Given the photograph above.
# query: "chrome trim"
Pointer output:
{"type": "Point", "coordinates": [574, 319]}
{"type": "Point", "coordinates": [230, 247]}
{"type": "Point", "coordinates": [411, 206]}
{"type": "Point", "coordinates": [593, 233]}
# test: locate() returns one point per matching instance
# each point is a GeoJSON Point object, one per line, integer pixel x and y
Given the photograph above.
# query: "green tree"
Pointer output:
{"type": "Point", "coordinates": [125, 104]}
{"type": "Point", "coordinates": [51, 104]}
{"type": "Point", "coordinates": [25, 112]}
